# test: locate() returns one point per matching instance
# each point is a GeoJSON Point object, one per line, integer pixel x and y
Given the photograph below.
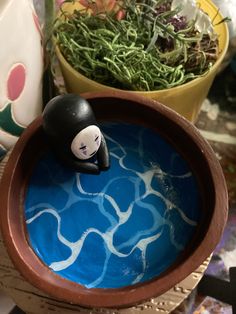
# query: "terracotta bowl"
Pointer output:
{"type": "Point", "coordinates": [207, 204]}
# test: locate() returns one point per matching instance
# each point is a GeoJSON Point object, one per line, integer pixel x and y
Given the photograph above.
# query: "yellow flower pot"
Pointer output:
{"type": "Point", "coordinates": [186, 99]}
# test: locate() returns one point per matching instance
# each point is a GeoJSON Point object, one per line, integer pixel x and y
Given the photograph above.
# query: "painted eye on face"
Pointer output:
{"type": "Point", "coordinates": [97, 140]}
{"type": "Point", "coordinates": [83, 149]}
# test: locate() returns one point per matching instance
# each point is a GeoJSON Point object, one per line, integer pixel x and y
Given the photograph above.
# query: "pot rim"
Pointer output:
{"type": "Point", "coordinates": [42, 277]}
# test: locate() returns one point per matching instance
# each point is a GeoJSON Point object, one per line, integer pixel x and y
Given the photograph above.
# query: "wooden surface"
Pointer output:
{"type": "Point", "coordinates": [32, 300]}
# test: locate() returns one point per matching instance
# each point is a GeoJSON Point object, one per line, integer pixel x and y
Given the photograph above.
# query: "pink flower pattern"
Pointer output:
{"type": "Point", "coordinates": [100, 6]}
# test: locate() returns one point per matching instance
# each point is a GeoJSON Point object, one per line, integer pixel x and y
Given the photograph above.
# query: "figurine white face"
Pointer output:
{"type": "Point", "coordinates": [86, 143]}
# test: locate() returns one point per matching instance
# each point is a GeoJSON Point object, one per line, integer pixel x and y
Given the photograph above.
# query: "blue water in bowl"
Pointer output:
{"type": "Point", "coordinates": [124, 226]}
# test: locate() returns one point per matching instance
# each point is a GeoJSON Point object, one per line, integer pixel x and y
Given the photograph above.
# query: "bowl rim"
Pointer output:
{"type": "Point", "coordinates": [39, 275]}
{"type": "Point", "coordinates": [189, 84]}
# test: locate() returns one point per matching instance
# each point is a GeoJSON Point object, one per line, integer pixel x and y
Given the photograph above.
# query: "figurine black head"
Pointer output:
{"type": "Point", "coordinates": [71, 127]}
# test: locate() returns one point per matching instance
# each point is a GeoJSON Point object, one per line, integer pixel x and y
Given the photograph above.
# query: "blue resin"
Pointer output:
{"type": "Point", "coordinates": [124, 226]}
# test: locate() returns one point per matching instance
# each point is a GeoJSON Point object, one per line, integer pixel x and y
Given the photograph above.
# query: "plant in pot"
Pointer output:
{"type": "Point", "coordinates": [166, 50]}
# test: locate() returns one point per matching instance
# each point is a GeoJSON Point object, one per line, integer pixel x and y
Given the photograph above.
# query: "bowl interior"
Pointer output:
{"type": "Point", "coordinates": [122, 227]}
{"type": "Point", "coordinates": [130, 233]}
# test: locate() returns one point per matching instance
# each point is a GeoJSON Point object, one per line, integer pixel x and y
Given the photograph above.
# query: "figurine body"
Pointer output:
{"type": "Point", "coordinates": [71, 127]}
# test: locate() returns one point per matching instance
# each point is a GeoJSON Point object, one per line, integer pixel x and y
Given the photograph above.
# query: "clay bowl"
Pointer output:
{"type": "Point", "coordinates": [175, 219]}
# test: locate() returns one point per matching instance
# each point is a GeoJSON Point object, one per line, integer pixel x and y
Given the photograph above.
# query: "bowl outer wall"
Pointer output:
{"type": "Point", "coordinates": [185, 99]}
{"type": "Point", "coordinates": [38, 274]}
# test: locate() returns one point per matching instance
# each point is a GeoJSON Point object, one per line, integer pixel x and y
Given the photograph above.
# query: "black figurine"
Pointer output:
{"type": "Point", "coordinates": [70, 124]}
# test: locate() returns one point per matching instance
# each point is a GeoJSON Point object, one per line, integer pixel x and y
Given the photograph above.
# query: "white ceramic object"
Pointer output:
{"type": "Point", "coordinates": [228, 9]}
{"type": "Point", "coordinates": [21, 69]}
{"type": "Point", "coordinates": [191, 10]}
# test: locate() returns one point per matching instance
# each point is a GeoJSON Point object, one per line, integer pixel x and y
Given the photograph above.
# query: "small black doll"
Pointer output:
{"type": "Point", "coordinates": [71, 127]}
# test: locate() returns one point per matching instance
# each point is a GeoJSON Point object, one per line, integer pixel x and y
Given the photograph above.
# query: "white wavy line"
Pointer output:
{"type": "Point", "coordinates": [118, 157]}
{"type": "Point", "coordinates": [58, 218]}
{"type": "Point", "coordinates": [157, 170]}
{"type": "Point", "coordinates": [143, 248]}
{"type": "Point", "coordinates": [107, 137]}
{"type": "Point", "coordinates": [171, 206]}
{"type": "Point", "coordinates": [102, 194]}
{"type": "Point", "coordinates": [97, 281]}
{"type": "Point", "coordinates": [32, 208]}
{"type": "Point", "coordinates": [182, 176]}
{"type": "Point", "coordinates": [147, 178]}
{"type": "Point", "coordinates": [77, 246]}
{"type": "Point", "coordinates": [65, 186]}
{"type": "Point", "coordinates": [172, 236]}
{"type": "Point", "coordinates": [108, 239]}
